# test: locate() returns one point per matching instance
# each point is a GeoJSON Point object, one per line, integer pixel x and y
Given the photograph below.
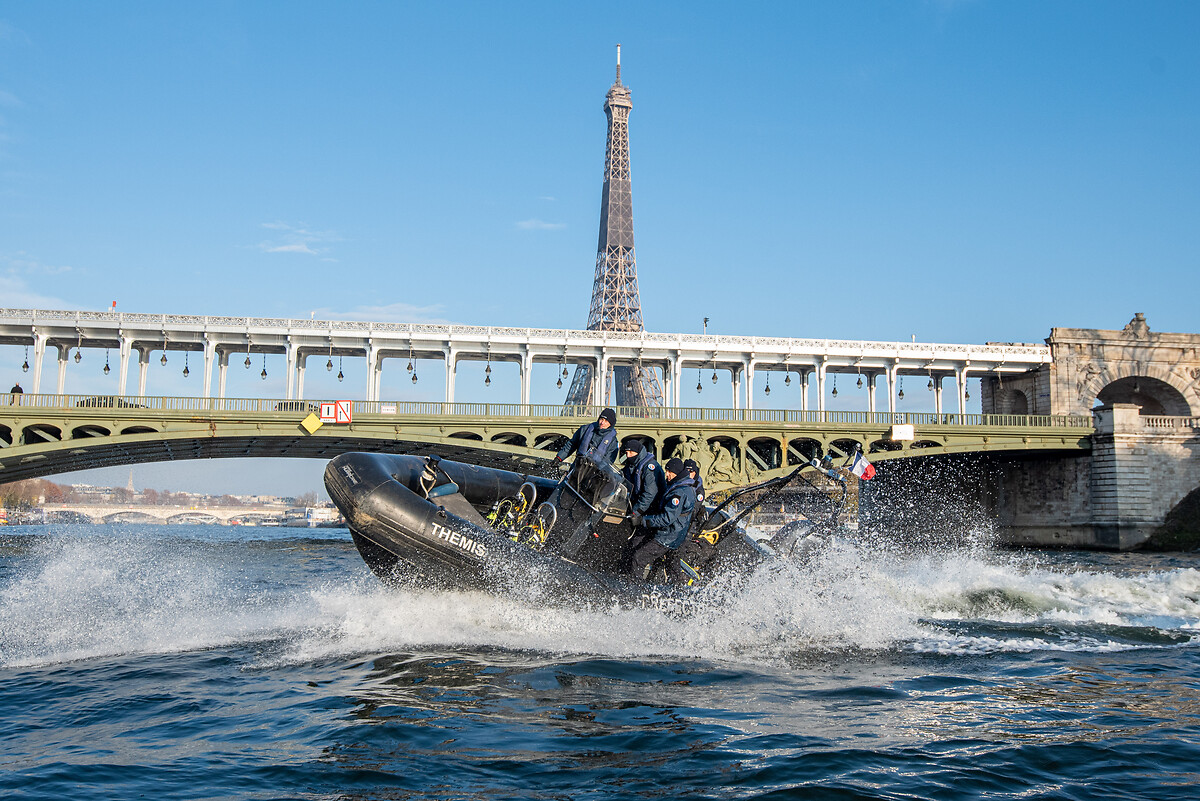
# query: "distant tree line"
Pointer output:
{"type": "Point", "coordinates": [27, 493]}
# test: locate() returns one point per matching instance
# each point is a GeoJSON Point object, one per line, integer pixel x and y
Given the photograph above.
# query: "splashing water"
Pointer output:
{"type": "Point", "coordinates": [77, 597]}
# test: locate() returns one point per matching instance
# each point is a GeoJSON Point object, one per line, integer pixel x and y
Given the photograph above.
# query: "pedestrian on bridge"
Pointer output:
{"type": "Point", "coordinates": [14, 392]}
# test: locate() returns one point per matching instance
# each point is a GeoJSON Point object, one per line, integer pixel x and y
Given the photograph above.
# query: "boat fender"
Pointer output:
{"type": "Point", "coordinates": [449, 488]}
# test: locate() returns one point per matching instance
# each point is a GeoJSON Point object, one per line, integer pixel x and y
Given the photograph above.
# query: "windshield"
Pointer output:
{"type": "Point", "coordinates": [601, 486]}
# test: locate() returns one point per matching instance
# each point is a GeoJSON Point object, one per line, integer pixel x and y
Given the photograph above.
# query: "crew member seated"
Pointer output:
{"type": "Point", "coordinates": [665, 529]}
{"type": "Point", "coordinates": [596, 441]}
{"type": "Point", "coordinates": [643, 475]}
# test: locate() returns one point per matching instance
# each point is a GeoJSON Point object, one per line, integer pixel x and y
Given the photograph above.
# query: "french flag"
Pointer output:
{"type": "Point", "coordinates": [862, 468]}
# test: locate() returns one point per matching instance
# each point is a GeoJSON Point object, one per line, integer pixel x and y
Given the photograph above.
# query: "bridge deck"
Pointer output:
{"type": "Point", "coordinates": [43, 435]}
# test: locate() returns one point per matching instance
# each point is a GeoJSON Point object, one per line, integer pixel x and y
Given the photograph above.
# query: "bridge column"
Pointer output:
{"type": "Point", "coordinates": [301, 364]}
{"type": "Point", "coordinates": [871, 392]}
{"type": "Point", "coordinates": [451, 354]}
{"type": "Point", "coordinates": [39, 353]}
{"type": "Point", "coordinates": [937, 394]}
{"type": "Point", "coordinates": [143, 366]}
{"type": "Point", "coordinates": [892, 371]}
{"type": "Point", "coordinates": [372, 369]}
{"type": "Point", "coordinates": [123, 377]}
{"type": "Point", "coordinates": [803, 390]}
{"type": "Point", "coordinates": [821, 389]}
{"type": "Point", "coordinates": [291, 369]}
{"type": "Point", "coordinates": [735, 378]}
{"type": "Point", "coordinates": [526, 372]}
{"type": "Point", "coordinates": [601, 390]}
{"type": "Point", "coordinates": [748, 369]}
{"type": "Point", "coordinates": [676, 378]}
{"type": "Point", "coordinates": [210, 352]}
{"type": "Point", "coordinates": [960, 376]}
{"type": "Point", "coordinates": [222, 371]}
{"type": "Point", "coordinates": [63, 352]}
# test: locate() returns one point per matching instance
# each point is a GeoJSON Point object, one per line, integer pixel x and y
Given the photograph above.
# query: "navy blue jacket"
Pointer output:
{"type": "Point", "coordinates": [646, 479]}
{"type": "Point", "coordinates": [672, 513]}
{"type": "Point", "coordinates": [590, 441]}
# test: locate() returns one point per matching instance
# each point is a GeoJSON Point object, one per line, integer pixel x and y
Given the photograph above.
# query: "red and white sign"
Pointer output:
{"type": "Point", "coordinates": [336, 411]}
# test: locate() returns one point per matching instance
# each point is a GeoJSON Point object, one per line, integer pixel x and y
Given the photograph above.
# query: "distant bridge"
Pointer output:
{"type": "Point", "coordinates": [42, 435]}
{"type": "Point", "coordinates": [146, 513]}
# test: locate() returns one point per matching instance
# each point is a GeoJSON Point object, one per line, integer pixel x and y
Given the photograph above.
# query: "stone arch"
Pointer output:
{"type": "Point", "coordinates": [1018, 403]}
{"type": "Point", "coordinates": [1155, 390]}
{"type": "Point", "coordinates": [466, 435]}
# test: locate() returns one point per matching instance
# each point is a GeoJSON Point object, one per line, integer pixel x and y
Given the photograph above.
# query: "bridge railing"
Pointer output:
{"type": "Point", "coordinates": [544, 411]}
{"type": "Point", "coordinates": [1160, 421]}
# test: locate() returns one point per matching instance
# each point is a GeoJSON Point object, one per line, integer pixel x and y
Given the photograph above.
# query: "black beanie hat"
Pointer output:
{"type": "Point", "coordinates": [633, 444]}
{"type": "Point", "coordinates": [690, 464]}
{"type": "Point", "coordinates": [674, 466]}
{"type": "Point", "coordinates": [609, 415]}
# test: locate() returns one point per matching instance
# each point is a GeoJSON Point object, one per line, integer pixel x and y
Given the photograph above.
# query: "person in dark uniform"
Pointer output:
{"type": "Point", "coordinates": [596, 441]}
{"type": "Point", "coordinates": [14, 392]}
{"type": "Point", "coordinates": [665, 528]}
{"type": "Point", "coordinates": [643, 475]}
{"type": "Point", "coordinates": [692, 469]}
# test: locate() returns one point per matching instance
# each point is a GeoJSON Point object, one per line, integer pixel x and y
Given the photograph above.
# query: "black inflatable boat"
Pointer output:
{"type": "Point", "coordinates": [424, 521]}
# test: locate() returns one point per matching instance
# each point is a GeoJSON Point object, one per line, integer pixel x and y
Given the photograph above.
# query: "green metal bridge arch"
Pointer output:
{"type": "Point", "coordinates": [44, 435]}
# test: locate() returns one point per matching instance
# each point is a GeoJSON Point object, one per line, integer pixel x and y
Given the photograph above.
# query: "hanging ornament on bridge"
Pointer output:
{"type": "Point", "coordinates": [186, 371]}
{"type": "Point", "coordinates": [163, 360]}
{"type": "Point", "coordinates": [834, 386]}
{"type": "Point", "coordinates": [900, 394]}
{"type": "Point", "coordinates": [79, 348]}
{"type": "Point", "coordinates": [860, 380]}
{"type": "Point", "coordinates": [414, 378]}
{"type": "Point", "coordinates": [78, 357]}
{"type": "Point", "coordinates": [787, 379]}
{"type": "Point", "coordinates": [263, 374]}
{"type": "Point", "coordinates": [340, 376]}
{"type": "Point", "coordinates": [247, 362]}
{"type": "Point", "coordinates": [25, 366]}
{"type": "Point", "coordinates": [767, 389]}
{"type": "Point", "coordinates": [487, 374]}
{"type": "Point", "coordinates": [106, 369]}
{"type": "Point", "coordinates": [699, 386]}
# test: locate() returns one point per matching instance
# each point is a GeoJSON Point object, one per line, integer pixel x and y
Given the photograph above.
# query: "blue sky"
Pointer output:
{"type": "Point", "coordinates": [959, 171]}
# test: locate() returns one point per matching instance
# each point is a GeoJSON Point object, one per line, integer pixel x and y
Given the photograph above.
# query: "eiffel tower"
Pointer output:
{"type": "Point", "coordinates": [616, 305]}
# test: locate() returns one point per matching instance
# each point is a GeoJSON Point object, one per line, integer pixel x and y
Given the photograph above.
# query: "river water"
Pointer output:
{"type": "Point", "coordinates": [199, 662]}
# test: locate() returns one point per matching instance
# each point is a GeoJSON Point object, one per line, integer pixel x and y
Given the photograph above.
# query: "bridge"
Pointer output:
{"type": "Point", "coordinates": [1094, 436]}
{"type": "Point", "coordinates": [217, 340]}
{"type": "Point", "coordinates": [124, 513]}
{"type": "Point", "coordinates": [43, 435]}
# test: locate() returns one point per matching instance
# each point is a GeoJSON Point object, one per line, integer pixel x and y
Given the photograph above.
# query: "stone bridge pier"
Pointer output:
{"type": "Point", "coordinates": [1140, 486]}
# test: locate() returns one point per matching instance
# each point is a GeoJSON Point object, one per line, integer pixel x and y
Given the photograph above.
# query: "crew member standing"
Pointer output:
{"type": "Point", "coordinates": [596, 441]}
{"type": "Point", "coordinates": [643, 474]}
{"type": "Point", "coordinates": [665, 529]}
{"type": "Point", "coordinates": [14, 392]}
